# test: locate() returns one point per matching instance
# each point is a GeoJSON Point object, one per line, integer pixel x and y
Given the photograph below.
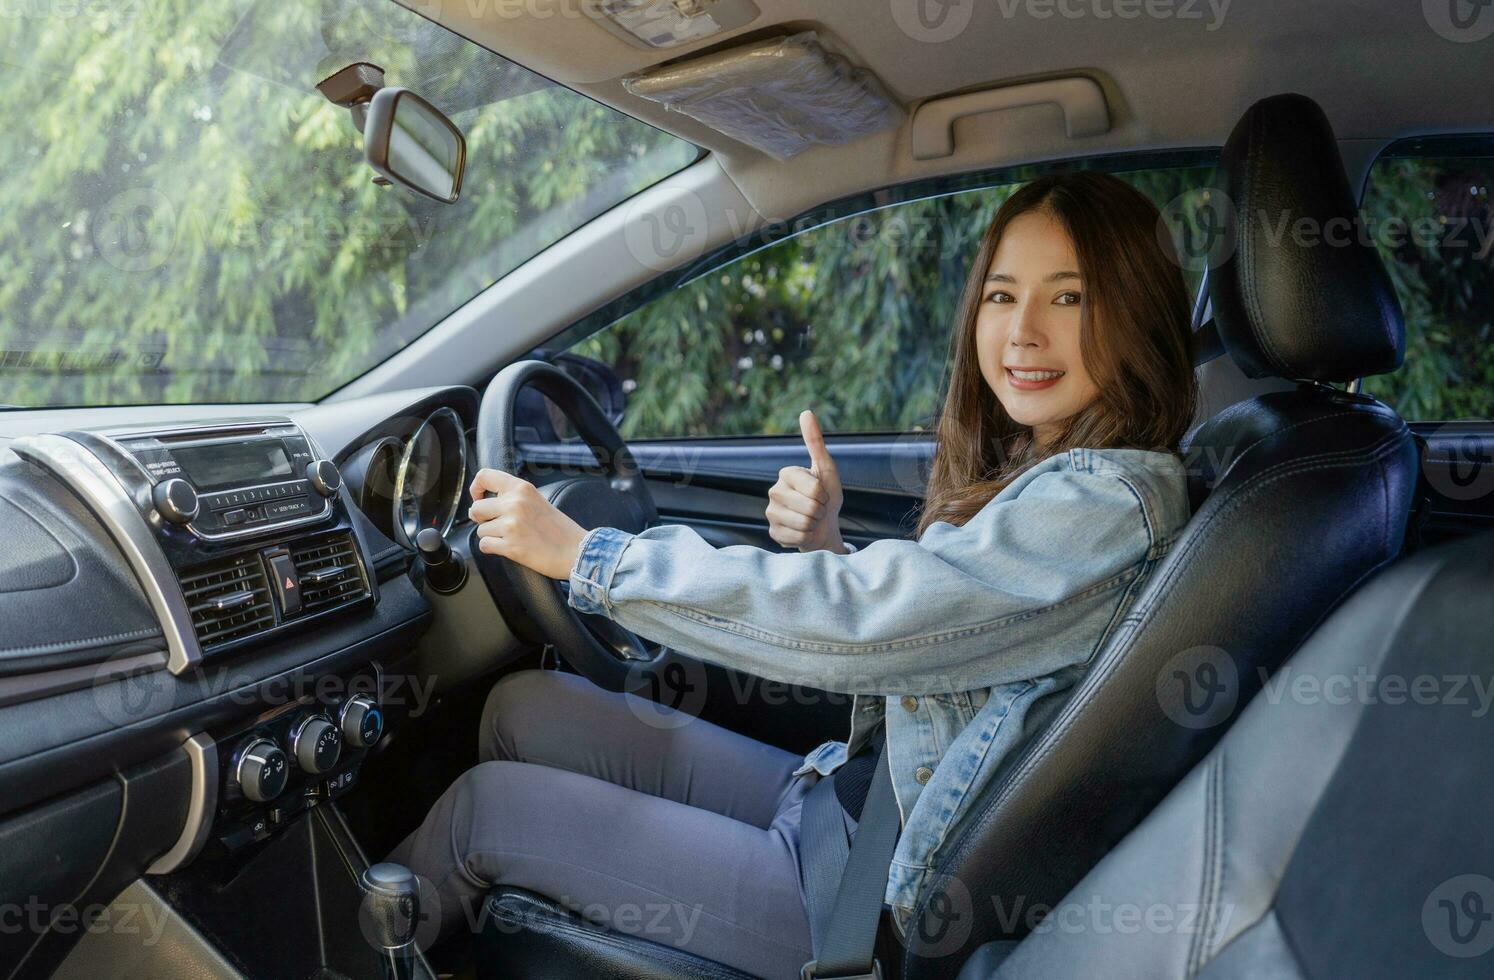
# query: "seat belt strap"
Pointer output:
{"type": "Point", "coordinates": [824, 850]}
{"type": "Point", "coordinates": [845, 948]}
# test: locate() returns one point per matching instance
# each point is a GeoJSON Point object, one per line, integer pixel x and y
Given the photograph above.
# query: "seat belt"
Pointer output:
{"type": "Point", "coordinates": [844, 885]}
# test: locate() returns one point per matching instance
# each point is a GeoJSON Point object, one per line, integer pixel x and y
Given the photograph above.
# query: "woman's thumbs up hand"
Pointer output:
{"type": "Point", "coordinates": [804, 505]}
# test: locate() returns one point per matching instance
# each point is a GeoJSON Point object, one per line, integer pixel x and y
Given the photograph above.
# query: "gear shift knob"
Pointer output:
{"type": "Point", "coordinates": [391, 912]}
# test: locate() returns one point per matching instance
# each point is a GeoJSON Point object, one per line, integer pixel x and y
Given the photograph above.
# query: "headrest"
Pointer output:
{"type": "Point", "coordinates": [1303, 293]}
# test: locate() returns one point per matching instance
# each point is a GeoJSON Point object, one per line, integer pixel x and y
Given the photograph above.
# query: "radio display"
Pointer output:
{"type": "Point", "coordinates": [228, 464]}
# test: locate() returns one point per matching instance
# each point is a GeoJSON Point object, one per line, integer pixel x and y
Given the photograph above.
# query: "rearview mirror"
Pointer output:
{"type": "Point", "coordinates": [411, 143]}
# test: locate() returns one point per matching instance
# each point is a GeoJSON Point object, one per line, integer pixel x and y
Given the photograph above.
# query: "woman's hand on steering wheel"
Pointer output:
{"type": "Point", "coordinates": [519, 524]}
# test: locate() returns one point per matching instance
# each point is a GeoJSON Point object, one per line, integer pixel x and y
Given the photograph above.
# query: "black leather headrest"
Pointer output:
{"type": "Point", "coordinates": [1303, 295]}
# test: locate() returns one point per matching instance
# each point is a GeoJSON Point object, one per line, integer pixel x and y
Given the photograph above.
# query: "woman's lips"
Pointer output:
{"type": "Point", "coordinates": [1026, 384]}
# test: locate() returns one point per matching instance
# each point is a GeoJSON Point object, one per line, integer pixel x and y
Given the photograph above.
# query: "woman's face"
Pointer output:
{"type": "Point", "coordinates": [1027, 325]}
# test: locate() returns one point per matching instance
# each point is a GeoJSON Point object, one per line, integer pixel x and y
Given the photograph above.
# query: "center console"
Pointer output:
{"type": "Point", "coordinates": [236, 530]}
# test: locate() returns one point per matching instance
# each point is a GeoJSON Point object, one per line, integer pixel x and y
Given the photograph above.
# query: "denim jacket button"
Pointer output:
{"type": "Point", "coordinates": [910, 703]}
{"type": "Point", "coordinates": [923, 775]}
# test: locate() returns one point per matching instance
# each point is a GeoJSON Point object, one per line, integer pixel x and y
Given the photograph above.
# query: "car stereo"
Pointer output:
{"type": "Point", "coordinates": [226, 486]}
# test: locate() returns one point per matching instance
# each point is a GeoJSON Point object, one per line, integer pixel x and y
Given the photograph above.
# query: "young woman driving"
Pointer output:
{"type": "Point", "coordinates": [1056, 487]}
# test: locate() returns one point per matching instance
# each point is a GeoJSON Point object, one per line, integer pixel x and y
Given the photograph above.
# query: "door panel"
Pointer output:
{"type": "Point", "coordinates": [719, 486]}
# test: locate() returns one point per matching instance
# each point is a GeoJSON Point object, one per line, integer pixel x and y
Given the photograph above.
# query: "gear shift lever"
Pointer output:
{"type": "Point", "coordinates": [391, 911]}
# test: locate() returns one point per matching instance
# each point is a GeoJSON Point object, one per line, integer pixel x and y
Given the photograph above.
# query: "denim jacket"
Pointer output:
{"type": "Point", "coordinates": [950, 639]}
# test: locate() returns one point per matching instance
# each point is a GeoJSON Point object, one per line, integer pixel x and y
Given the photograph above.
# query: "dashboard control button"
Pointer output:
{"type": "Point", "coordinates": [287, 581]}
{"type": "Point", "coordinates": [324, 477]}
{"type": "Point", "coordinates": [232, 517]}
{"type": "Point", "coordinates": [262, 771]}
{"type": "Point", "coordinates": [317, 744]}
{"type": "Point", "coordinates": [175, 500]}
{"type": "Point", "coordinates": [362, 721]}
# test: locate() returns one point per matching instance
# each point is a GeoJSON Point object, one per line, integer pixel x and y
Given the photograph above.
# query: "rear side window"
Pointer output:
{"type": "Point", "coordinates": [1428, 205]}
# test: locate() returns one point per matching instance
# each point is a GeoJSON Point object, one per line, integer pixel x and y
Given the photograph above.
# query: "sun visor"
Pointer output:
{"type": "Point", "coordinates": [779, 96]}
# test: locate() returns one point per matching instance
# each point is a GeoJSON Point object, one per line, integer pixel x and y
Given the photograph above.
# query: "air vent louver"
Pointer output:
{"type": "Point", "coordinates": [329, 572]}
{"type": "Point", "coordinates": [229, 599]}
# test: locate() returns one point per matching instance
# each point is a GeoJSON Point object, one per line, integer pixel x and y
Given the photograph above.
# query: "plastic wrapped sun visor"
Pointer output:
{"type": "Point", "coordinates": [779, 96]}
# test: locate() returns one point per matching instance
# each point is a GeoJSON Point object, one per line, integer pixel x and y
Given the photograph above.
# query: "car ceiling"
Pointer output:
{"type": "Point", "coordinates": [1376, 66]}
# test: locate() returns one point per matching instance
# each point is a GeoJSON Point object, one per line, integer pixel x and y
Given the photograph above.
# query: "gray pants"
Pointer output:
{"type": "Point", "coordinates": [646, 820]}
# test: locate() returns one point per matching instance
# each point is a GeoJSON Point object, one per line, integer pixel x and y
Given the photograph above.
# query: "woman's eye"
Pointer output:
{"type": "Point", "coordinates": [1000, 296]}
{"type": "Point", "coordinates": [1069, 298]}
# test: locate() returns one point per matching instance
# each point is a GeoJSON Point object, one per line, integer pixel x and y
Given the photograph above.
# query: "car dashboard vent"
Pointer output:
{"type": "Point", "coordinates": [330, 573]}
{"type": "Point", "coordinates": [229, 599]}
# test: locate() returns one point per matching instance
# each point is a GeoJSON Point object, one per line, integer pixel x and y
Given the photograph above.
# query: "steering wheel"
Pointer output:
{"type": "Point", "coordinates": [535, 605]}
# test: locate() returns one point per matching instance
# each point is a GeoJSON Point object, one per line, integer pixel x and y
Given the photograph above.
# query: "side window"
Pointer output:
{"type": "Point", "coordinates": [851, 318]}
{"type": "Point", "coordinates": [1428, 204]}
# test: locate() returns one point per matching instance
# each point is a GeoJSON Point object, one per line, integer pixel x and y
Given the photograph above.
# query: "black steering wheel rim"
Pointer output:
{"type": "Point", "coordinates": [601, 650]}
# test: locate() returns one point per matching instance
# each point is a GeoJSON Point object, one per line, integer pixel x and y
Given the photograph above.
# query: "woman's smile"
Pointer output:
{"type": "Point", "coordinates": [1032, 379]}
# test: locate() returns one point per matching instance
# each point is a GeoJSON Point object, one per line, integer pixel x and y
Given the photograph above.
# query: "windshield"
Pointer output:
{"type": "Point", "coordinates": [186, 219]}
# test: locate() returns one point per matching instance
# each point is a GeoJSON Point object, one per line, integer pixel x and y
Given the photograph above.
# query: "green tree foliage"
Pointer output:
{"type": "Point", "coordinates": [188, 219]}
{"type": "Point", "coordinates": [1433, 222]}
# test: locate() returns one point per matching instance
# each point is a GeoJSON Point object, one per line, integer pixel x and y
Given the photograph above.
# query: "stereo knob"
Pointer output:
{"type": "Point", "coordinates": [362, 722]}
{"type": "Point", "coordinates": [316, 744]}
{"type": "Point", "coordinates": [176, 501]}
{"type": "Point", "coordinates": [262, 771]}
{"type": "Point", "coordinates": [324, 477]}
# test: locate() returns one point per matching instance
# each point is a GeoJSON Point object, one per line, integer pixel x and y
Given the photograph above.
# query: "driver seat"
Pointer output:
{"type": "Point", "coordinates": [1298, 497]}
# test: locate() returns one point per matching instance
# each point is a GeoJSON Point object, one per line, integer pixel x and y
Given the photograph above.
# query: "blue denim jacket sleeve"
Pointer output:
{"type": "Point", "coordinates": [896, 617]}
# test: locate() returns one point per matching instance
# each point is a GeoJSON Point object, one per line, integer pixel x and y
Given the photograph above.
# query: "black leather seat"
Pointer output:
{"type": "Point", "coordinates": [1299, 496]}
{"type": "Point", "coordinates": [1338, 830]}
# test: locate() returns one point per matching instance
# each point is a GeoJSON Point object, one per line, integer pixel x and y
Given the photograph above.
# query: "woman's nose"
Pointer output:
{"type": "Point", "coordinates": [1025, 330]}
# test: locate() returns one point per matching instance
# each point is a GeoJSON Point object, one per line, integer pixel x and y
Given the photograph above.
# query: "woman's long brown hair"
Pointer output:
{"type": "Point", "coordinates": [1134, 338]}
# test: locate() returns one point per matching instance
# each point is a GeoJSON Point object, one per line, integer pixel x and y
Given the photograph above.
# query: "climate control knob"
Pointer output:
{"type": "Point", "coordinates": [362, 722]}
{"type": "Point", "coordinates": [324, 477]}
{"type": "Point", "coordinates": [317, 744]}
{"type": "Point", "coordinates": [175, 501]}
{"type": "Point", "coordinates": [262, 771]}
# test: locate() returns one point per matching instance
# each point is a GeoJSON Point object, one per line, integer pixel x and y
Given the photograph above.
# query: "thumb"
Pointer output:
{"type": "Point", "coordinates": [819, 457]}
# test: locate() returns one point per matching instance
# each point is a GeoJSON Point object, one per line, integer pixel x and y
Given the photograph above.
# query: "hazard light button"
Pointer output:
{"type": "Point", "coordinates": [287, 583]}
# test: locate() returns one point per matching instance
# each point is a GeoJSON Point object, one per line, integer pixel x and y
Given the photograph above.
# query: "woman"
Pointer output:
{"type": "Point", "coordinates": [1056, 487]}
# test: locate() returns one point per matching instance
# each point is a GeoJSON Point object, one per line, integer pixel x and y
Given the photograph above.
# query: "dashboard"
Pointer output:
{"type": "Point", "coordinates": [203, 609]}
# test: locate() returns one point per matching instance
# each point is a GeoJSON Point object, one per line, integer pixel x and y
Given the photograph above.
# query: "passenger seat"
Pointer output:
{"type": "Point", "coordinates": [1342, 828]}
